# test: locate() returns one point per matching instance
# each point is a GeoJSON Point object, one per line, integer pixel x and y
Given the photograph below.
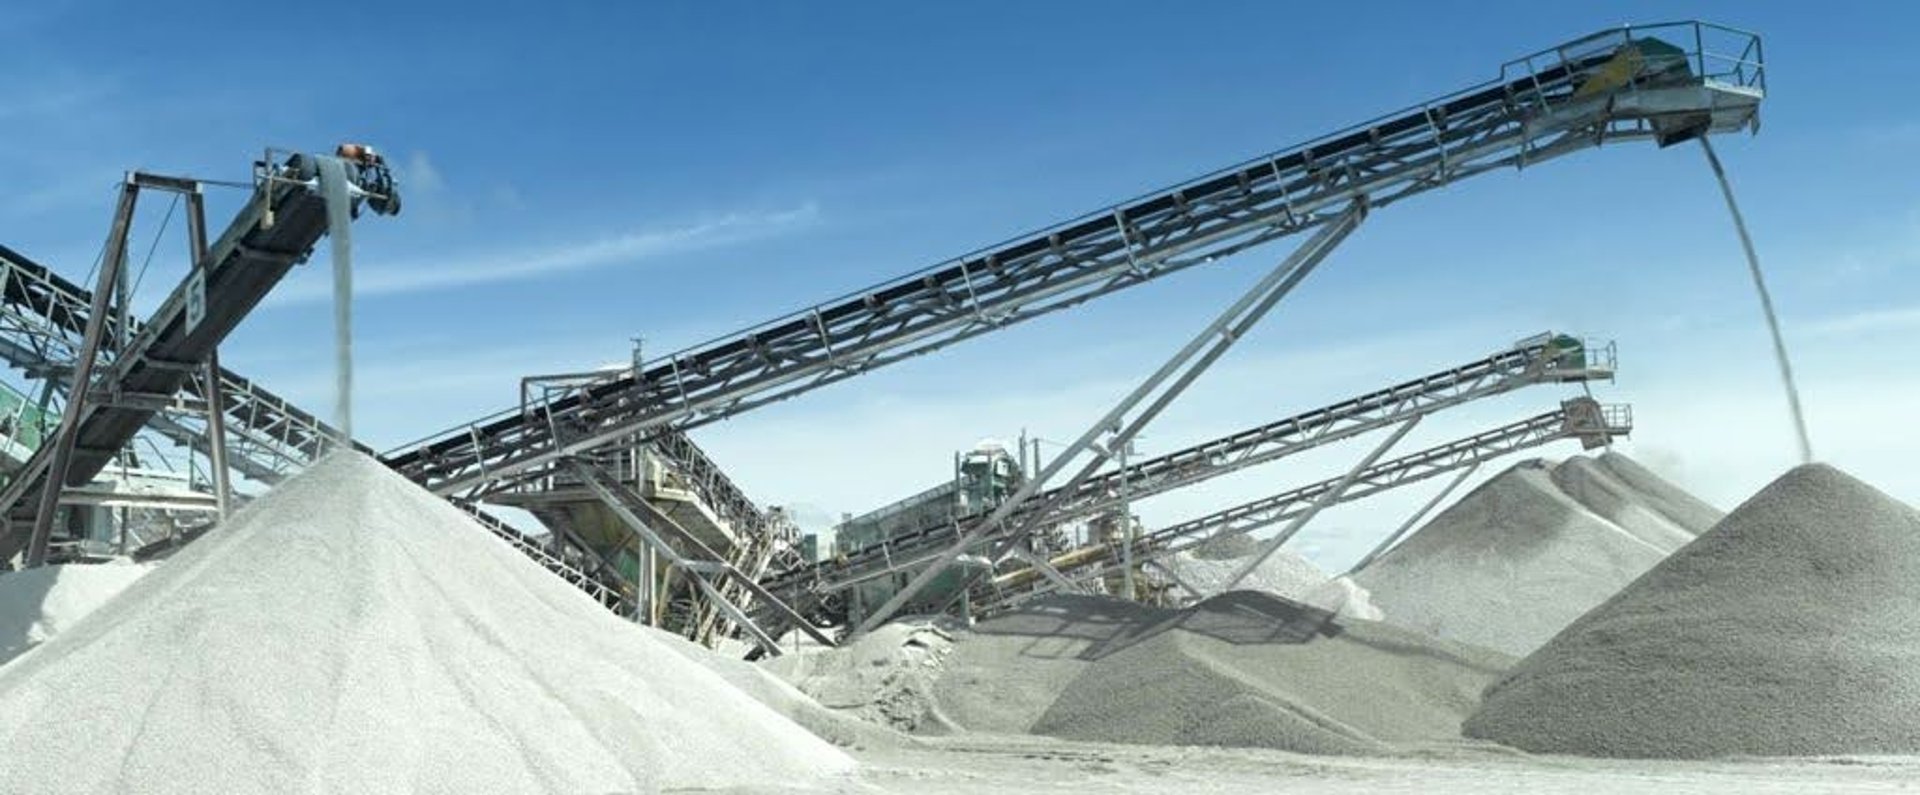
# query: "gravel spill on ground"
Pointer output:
{"type": "Point", "coordinates": [349, 632]}
{"type": "Point", "coordinates": [36, 604]}
{"type": "Point", "coordinates": [1791, 628]}
{"type": "Point", "coordinates": [1525, 553]}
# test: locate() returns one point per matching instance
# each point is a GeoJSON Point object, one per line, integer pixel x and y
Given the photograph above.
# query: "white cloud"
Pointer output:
{"type": "Point", "coordinates": [373, 277]}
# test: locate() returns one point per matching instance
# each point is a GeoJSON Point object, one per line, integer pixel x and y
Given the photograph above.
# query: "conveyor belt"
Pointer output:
{"type": "Point", "coordinates": [1539, 108]}
{"type": "Point", "coordinates": [42, 319]}
{"type": "Point", "coordinates": [1591, 423]}
{"type": "Point", "coordinates": [277, 228]}
{"type": "Point", "coordinates": [1544, 359]}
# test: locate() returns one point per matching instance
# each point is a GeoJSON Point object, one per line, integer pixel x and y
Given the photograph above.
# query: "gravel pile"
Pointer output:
{"type": "Point", "coordinates": [1617, 489]}
{"type": "Point", "coordinates": [36, 604]}
{"type": "Point", "coordinates": [349, 632]}
{"type": "Point", "coordinates": [1005, 672]}
{"type": "Point", "coordinates": [1791, 628]}
{"type": "Point", "coordinates": [1247, 669]}
{"type": "Point", "coordinates": [885, 678]}
{"type": "Point", "coordinates": [1517, 559]}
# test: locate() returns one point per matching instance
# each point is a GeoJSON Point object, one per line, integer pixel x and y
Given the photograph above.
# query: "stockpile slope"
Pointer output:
{"type": "Point", "coordinates": [834, 726]}
{"type": "Point", "coordinates": [1248, 669]}
{"type": "Point", "coordinates": [1791, 628]}
{"type": "Point", "coordinates": [1526, 553]}
{"type": "Point", "coordinates": [350, 632]}
{"type": "Point", "coordinates": [884, 678]}
{"type": "Point", "coordinates": [38, 603]}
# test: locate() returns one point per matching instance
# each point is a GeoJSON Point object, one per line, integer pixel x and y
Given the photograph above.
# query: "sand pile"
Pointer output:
{"type": "Point", "coordinates": [349, 632]}
{"type": "Point", "coordinates": [1791, 628]}
{"type": "Point", "coordinates": [837, 727]}
{"type": "Point", "coordinates": [1523, 555]}
{"type": "Point", "coordinates": [1208, 569]}
{"type": "Point", "coordinates": [37, 604]}
{"type": "Point", "coordinates": [1248, 669]}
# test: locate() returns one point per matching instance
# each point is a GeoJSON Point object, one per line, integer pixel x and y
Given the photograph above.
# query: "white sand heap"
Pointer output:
{"type": "Point", "coordinates": [1791, 628]}
{"type": "Point", "coordinates": [36, 604]}
{"type": "Point", "coordinates": [1209, 568]}
{"type": "Point", "coordinates": [834, 726]}
{"type": "Point", "coordinates": [350, 632]}
{"type": "Point", "coordinates": [1523, 555]}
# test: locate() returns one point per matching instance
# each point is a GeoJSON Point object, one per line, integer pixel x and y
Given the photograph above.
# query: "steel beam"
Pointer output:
{"type": "Point", "coordinates": [628, 506]}
{"type": "Point", "coordinates": [698, 570]}
{"type": "Point", "coordinates": [1320, 503]}
{"type": "Point", "coordinates": [67, 433]}
{"type": "Point", "coordinates": [1408, 525]}
{"type": "Point", "coordinates": [1162, 387]}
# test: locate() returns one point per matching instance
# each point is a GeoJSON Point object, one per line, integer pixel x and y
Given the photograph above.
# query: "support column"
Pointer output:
{"type": "Point", "coordinates": [55, 479]}
{"type": "Point", "coordinates": [216, 396]}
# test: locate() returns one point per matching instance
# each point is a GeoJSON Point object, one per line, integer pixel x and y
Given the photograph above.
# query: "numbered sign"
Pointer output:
{"type": "Point", "coordinates": [196, 298]}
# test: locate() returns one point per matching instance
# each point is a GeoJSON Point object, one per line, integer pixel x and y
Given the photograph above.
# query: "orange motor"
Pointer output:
{"type": "Point", "coordinates": [360, 153]}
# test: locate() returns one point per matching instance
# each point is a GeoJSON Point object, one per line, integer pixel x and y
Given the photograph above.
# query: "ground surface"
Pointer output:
{"type": "Point", "coordinates": [1007, 764]}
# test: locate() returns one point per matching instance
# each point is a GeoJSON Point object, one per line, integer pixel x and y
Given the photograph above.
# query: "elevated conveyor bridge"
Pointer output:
{"type": "Point", "coordinates": [1591, 423]}
{"type": "Point", "coordinates": [1545, 359]}
{"type": "Point", "coordinates": [1662, 83]}
{"type": "Point", "coordinates": [147, 368]}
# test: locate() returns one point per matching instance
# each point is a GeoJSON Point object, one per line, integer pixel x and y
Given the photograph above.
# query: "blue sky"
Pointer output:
{"type": "Point", "coordinates": [578, 174]}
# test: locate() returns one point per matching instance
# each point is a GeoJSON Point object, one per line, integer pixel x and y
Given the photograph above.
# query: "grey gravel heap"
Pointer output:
{"type": "Point", "coordinates": [1792, 628]}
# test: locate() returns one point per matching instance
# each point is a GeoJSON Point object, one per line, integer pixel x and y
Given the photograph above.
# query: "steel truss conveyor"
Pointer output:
{"type": "Point", "coordinates": [43, 317]}
{"type": "Point", "coordinates": [1547, 358]}
{"type": "Point", "coordinates": [278, 227]}
{"type": "Point", "coordinates": [1660, 83]}
{"type": "Point", "coordinates": [1591, 423]}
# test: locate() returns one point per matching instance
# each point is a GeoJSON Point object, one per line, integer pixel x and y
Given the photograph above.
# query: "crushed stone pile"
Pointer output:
{"type": "Point", "coordinates": [1791, 628]}
{"type": "Point", "coordinates": [1208, 569]}
{"type": "Point", "coordinates": [1249, 669]}
{"type": "Point", "coordinates": [1620, 490]}
{"type": "Point", "coordinates": [1527, 552]}
{"type": "Point", "coordinates": [1241, 669]}
{"type": "Point", "coordinates": [350, 632]}
{"type": "Point", "coordinates": [36, 604]}
{"type": "Point", "coordinates": [885, 677]}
